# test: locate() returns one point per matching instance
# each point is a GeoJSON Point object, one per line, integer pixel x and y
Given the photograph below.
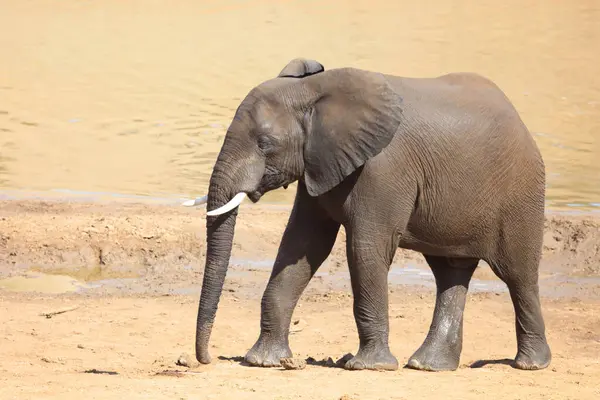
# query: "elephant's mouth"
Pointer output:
{"type": "Point", "coordinates": [273, 179]}
{"type": "Point", "coordinates": [255, 196]}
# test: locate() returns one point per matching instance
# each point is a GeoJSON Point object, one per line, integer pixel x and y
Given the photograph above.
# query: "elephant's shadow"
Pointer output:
{"type": "Point", "coordinates": [482, 363]}
{"type": "Point", "coordinates": [326, 362]}
{"type": "Point", "coordinates": [237, 359]}
{"type": "Point", "coordinates": [329, 363]}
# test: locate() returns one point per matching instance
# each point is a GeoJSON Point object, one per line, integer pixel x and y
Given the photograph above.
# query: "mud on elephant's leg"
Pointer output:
{"type": "Point", "coordinates": [442, 347]}
{"type": "Point", "coordinates": [306, 243]}
{"type": "Point", "coordinates": [369, 259]}
{"type": "Point", "coordinates": [533, 350]}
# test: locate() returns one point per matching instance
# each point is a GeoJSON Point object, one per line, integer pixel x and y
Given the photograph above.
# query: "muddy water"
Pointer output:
{"type": "Point", "coordinates": [42, 283]}
{"type": "Point", "coordinates": [64, 280]}
{"type": "Point", "coordinates": [134, 97]}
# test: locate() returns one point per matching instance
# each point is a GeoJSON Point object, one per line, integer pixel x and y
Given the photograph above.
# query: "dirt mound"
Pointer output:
{"type": "Point", "coordinates": [572, 244]}
{"type": "Point", "coordinates": [69, 235]}
{"type": "Point", "coordinates": [138, 238]}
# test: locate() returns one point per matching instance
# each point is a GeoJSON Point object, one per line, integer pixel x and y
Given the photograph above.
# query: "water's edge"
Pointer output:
{"type": "Point", "coordinates": [68, 195]}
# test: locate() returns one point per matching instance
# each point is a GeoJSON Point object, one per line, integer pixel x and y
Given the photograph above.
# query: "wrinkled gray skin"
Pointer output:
{"type": "Point", "coordinates": [442, 166]}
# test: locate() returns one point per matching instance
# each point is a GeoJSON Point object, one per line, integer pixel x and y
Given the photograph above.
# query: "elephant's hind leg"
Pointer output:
{"type": "Point", "coordinates": [306, 243]}
{"type": "Point", "coordinates": [518, 268]}
{"type": "Point", "coordinates": [442, 347]}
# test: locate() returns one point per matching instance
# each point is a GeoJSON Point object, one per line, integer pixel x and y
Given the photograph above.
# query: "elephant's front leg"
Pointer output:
{"type": "Point", "coordinates": [306, 243]}
{"type": "Point", "coordinates": [370, 253]}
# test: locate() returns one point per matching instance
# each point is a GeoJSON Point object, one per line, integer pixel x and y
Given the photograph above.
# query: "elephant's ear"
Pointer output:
{"type": "Point", "coordinates": [301, 67]}
{"type": "Point", "coordinates": [355, 116]}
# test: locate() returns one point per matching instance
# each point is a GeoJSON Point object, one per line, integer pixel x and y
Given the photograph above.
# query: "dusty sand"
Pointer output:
{"type": "Point", "coordinates": [139, 267]}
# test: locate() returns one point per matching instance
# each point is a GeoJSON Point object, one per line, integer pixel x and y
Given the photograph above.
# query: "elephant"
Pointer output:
{"type": "Point", "coordinates": [443, 166]}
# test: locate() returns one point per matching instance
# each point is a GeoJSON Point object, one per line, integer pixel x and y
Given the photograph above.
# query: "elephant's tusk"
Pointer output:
{"type": "Point", "coordinates": [233, 203]}
{"type": "Point", "coordinates": [195, 202]}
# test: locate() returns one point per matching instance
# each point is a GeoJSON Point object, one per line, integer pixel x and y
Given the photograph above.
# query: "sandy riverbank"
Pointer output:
{"type": "Point", "coordinates": [138, 268]}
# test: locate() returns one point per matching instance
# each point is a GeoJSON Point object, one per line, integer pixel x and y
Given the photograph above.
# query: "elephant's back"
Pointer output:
{"type": "Point", "coordinates": [463, 114]}
{"type": "Point", "coordinates": [453, 95]}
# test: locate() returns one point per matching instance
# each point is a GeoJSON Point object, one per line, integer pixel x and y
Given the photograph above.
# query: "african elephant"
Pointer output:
{"type": "Point", "coordinates": [443, 166]}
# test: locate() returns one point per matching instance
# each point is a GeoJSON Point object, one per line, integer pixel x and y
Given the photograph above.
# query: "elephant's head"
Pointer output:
{"type": "Point", "coordinates": [305, 124]}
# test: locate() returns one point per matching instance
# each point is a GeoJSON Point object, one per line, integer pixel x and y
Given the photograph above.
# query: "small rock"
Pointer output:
{"type": "Point", "coordinates": [298, 326]}
{"type": "Point", "coordinates": [329, 362]}
{"type": "Point", "coordinates": [293, 363]}
{"type": "Point", "coordinates": [80, 346]}
{"type": "Point", "coordinates": [342, 361]}
{"type": "Point", "coordinates": [185, 360]}
{"type": "Point", "coordinates": [49, 360]}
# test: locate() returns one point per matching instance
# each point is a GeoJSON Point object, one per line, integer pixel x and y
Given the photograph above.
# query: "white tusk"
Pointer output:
{"type": "Point", "coordinates": [233, 203]}
{"type": "Point", "coordinates": [195, 202]}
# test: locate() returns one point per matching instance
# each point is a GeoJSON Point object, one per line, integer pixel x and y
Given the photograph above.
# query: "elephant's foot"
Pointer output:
{"type": "Point", "coordinates": [267, 353]}
{"type": "Point", "coordinates": [376, 358]}
{"type": "Point", "coordinates": [432, 357]}
{"type": "Point", "coordinates": [533, 355]}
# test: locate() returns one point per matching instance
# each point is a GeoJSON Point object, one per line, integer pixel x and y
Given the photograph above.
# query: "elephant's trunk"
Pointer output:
{"type": "Point", "coordinates": [219, 230]}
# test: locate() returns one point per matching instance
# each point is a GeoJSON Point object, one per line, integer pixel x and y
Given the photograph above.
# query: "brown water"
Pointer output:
{"type": "Point", "coordinates": [42, 283]}
{"type": "Point", "coordinates": [67, 279]}
{"type": "Point", "coordinates": [135, 96]}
